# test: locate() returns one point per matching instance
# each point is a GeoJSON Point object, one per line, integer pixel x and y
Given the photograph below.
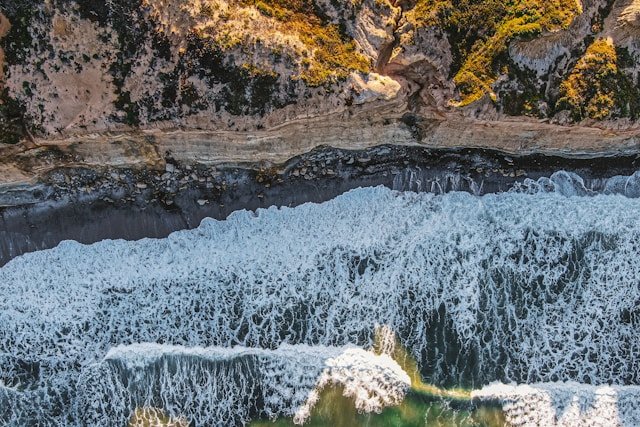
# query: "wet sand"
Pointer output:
{"type": "Point", "coordinates": [88, 206]}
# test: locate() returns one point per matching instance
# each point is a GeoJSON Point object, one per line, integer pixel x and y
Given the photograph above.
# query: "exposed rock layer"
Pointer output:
{"type": "Point", "coordinates": [76, 68]}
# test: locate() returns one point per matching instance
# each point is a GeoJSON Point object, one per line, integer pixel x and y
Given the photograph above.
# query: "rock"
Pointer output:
{"type": "Point", "coordinates": [170, 168]}
{"type": "Point", "coordinates": [202, 202]}
{"type": "Point", "coordinates": [374, 88]}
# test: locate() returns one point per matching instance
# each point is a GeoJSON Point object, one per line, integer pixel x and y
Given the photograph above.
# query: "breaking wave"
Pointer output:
{"type": "Point", "coordinates": [565, 404]}
{"type": "Point", "coordinates": [219, 386]}
{"type": "Point", "coordinates": [561, 182]}
{"type": "Point", "coordinates": [527, 286]}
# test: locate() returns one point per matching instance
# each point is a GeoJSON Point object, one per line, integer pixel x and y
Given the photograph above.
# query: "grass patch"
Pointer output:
{"type": "Point", "coordinates": [597, 88]}
{"type": "Point", "coordinates": [480, 31]}
{"type": "Point", "coordinates": [328, 54]}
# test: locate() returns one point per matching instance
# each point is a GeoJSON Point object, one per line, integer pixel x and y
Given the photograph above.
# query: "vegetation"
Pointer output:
{"type": "Point", "coordinates": [11, 119]}
{"type": "Point", "coordinates": [480, 31]}
{"type": "Point", "coordinates": [596, 88]}
{"type": "Point", "coordinates": [328, 53]}
{"type": "Point", "coordinates": [15, 45]}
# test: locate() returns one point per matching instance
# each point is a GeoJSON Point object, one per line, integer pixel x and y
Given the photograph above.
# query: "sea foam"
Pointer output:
{"type": "Point", "coordinates": [526, 287]}
{"type": "Point", "coordinates": [229, 386]}
{"type": "Point", "coordinates": [565, 404]}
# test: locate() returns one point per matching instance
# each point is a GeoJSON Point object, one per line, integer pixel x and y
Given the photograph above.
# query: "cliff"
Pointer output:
{"type": "Point", "coordinates": [130, 83]}
{"type": "Point", "coordinates": [74, 67]}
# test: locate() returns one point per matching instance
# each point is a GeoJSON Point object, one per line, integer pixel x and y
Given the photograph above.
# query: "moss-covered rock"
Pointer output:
{"type": "Point", "coordinates": [480, 31]}
{"type": "Point", "coordinates": [597, 88]}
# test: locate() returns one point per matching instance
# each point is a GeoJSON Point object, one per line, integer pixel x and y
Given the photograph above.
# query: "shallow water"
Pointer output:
{"type": "Point", "coordinates": [416, 410]}
{"type": "Point", "coordinates": [528, 286]}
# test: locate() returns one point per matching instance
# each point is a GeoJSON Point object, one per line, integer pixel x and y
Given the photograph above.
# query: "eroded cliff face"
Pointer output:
{"type": "Point", "coordinates": [73, 67]}
{"type": "Point", "coordinates": [213, 64]}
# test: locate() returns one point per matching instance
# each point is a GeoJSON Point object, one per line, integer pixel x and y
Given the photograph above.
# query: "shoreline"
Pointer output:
{"type": "Point", "coordinates": [361, 128]}
{"type": "Point", "coordinates": [89, 205]}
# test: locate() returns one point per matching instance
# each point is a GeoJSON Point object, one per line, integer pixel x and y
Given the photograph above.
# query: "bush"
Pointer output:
{"type": "Point", "coordinates": [480, 32]}
{"type": "Point", "coordinates": [333, 55]}
{"type": "Point", "coordinates": [596, 88]}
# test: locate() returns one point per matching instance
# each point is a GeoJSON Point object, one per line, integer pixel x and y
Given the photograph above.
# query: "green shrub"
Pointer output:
{"type": "Point", "coordinates": [480, 32]}
{"type": "Point", "coordinates": [597, 88]}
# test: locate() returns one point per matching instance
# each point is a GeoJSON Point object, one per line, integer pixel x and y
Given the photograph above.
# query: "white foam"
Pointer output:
{"type": "Point", "coordinates": [571, 184]}
{"type": "Point", "coordinates": [222, 386]}
{"type": "Point", "coordinates": [565, 404]}
{"type": "Point", "coordinates": [531, 287]}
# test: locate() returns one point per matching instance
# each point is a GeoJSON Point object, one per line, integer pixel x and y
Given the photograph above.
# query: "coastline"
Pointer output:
{"type": "Point", "coordinates": [131, 201]}
{"type": "Point", "coordinates": [149, 183]}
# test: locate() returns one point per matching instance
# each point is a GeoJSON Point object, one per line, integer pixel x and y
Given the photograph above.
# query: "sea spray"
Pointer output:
{"type": "Point", "coordinates": [565, 404]}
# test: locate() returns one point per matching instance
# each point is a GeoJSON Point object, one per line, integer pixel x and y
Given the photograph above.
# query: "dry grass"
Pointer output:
{"type": "Point", "coordinates": [329, 55]}
{"type": "Point", "coordinates": [294, 29]}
